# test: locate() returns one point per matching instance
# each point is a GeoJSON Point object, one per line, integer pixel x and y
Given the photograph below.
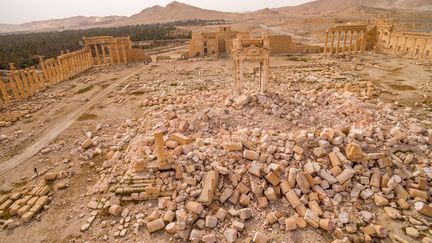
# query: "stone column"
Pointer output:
{"type": "Point", "coordinates": [345, 42]}
{"type": "Point", "coordinates": [44, 70]}
{"type": "Point", "coordinates": [97, 55]}
{"type": "Point", "coordinates": [19, 84]}
{"type": "Point", "coordinates": [124, 54]}
{"type": "Point", "coordinates": [338, 42]}
{"type": "Point", "coordinates": [326, 42]}
{"type": "Point", "coordinates": [4, 93]}
{"type": "Point", "coordinates": [25, 83]}
{"type": "Point", "coordinates": [363, 45]}
{"type": "Point", "coordinates": [62, 75]}
{"type": "Point", "coordinates": [111, 54]}
{"type": "Point", "coordinates": [397, 45]}
{"type": "Point", "coordinates": [424, 47]}
{"type": "Point", "coordinates": [238, 76]}
{"type": "Point", "coordinates": [332, 43]}
{"type": "Point", "coordinates": [40, 81]}
{"type": "Point", "coordinates": [48, 71]}
{"type": "Point", "coordinates": [13, 86]}
{"type": "Point", "coordinates": [90, 57]}
{"type": "Point", "coordinates": [350, 43]}
{"type": "Point", "coordinates": [414, 48]}
{"type": "Point", "coordinates": [117, 53]}
{"type": "Point", "coordinates": [264, 70]}
{"type": "Point", "coordinates": [30, 80]}
{"type": "Point", "coordinates": [75, 65]}
{"type": "Point", "coordinates": [356, 42]}
{"type": "Point", "coordinates": [68, 66]}
{"type": "Point", "coordinates": [104, 54]}
{"type": "Point", "coordinates": [57, 67]}
{"type": "Point", "coordinates": [404, 48]}
{"type": "Point", "coordinates": [80, 65]}
{"type": "Point", "coordinates": [160, 151]}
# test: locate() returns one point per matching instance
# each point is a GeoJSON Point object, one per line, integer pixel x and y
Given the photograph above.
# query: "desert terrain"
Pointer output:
{"type": "Point", "coordinates": [337, 149]}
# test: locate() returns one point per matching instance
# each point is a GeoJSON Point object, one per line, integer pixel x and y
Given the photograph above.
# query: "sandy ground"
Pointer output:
{"type": "Point", "coordinates": [123, 103]}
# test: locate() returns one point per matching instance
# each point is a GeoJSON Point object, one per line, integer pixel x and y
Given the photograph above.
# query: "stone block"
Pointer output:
{"type": "Point", "coordinates": [155, 225]}
{"type": "Point", "coordinates": [250, 155]}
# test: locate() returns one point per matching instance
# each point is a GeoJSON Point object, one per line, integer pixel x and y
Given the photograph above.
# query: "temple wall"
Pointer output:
{"type": "Point", "coordinates": [280, 44]}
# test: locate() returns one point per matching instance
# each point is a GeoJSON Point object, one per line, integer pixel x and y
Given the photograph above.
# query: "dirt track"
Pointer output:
{"type": "Point", "coordinates": [61, 124]}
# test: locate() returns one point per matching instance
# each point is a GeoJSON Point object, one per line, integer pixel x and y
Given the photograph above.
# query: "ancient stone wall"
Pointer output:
{"type": "Point", "coordinates": [203, 44]}
{"type": "Point", "coordinates": [280, 44]}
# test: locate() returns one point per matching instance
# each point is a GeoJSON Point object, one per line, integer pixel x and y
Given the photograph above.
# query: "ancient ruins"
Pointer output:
{"type": "Point", "coordinates": [249, 132]}
{"type": "Point", "coordinates": [253, 50]}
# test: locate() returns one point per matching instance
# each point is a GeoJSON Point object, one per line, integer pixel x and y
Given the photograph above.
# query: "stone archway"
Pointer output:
{"type": "Point", "coordinates": [251, 50]}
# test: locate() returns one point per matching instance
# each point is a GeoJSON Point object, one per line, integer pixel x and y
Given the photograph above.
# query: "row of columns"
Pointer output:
{"type": "Point", "coordinates": [356, 38]}
{"type": "Point", "coordinates": [114, 50]}
{"type": "Point", "coordinates": [402, 40]}
{"type": "Point", "coordinates": [66, 65]}
{"type": "Point", "coordinates": [24, 83]}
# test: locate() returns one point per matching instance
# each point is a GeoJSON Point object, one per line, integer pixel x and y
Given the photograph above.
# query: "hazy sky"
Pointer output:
{"type": "Point", "coordinates": [20, 11]}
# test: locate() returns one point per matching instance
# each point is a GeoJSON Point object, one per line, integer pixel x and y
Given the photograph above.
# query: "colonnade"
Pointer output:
{"type": "Point", "coordinates": [344, 41]}
{"type": "Point", "coordinates": [108, 47]}
{"type": "Point", "coordinates": [20, 84]}
{"type": "Point", "coordinates": [24, 83]}
{"type": "Point", "coordinates": [417, 45]}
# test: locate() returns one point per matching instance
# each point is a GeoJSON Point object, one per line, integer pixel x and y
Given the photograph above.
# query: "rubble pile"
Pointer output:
{"type": "Point", "coordinates": [27, 202]}
{"type": "Point", "coordinates": [318, 153]}
{"type": "Point", "coordinates": [223, 172]}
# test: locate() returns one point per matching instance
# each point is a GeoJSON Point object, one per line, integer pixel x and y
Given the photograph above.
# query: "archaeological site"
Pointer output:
{"type": "Point", "coordinates": [276, 123]}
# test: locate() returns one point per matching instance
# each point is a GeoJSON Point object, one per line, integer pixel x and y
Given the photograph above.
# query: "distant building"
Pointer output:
{"type": "Point", "coordinates": [211, 43]}
{"type": "Point", "coordinates": [220, 43]}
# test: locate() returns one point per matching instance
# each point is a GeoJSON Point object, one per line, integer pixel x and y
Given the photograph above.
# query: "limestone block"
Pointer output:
{"type": "Point", "coordinates": [180, 138]}
{"type": "Point", "coordinates": [354, 152]}
{"type": "Point", "coordinates": [290, 224]}
{"type": "Point", "coordinates": [260, 238]}
{"type": "Point", "coordinates": [210, 182]}
{"type": "Point", "coordinates": [27, 216]}
{"type": "Point", "coordinates": [423, 208]}
{"type": "Point", "coordinates": [250, 155]}
{"type": "Point", "coordinates": [155, 225]}
{"type": "Point", "coordinates": [194, 207]}
{"type": "Point", "coordinates": [302, 182]}
{"type": "Point", "coordinates": [230, 235]}
{"type": "Point", "coordinates": [311, 218]}
{"type": "Point", "coordinates": [234, 146]}
{"type": "Point", "coordinates": [345, 175]}
{"type": "Point", "coordinates": [115, 210]}
{"type": "Point", "coordinates": [273, 178]}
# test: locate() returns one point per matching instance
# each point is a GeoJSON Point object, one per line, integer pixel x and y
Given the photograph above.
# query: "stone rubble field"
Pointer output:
{"type": "Point", "coordinates": [321, 157]}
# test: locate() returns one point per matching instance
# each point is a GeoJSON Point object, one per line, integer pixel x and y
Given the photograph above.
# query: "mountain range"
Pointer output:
{"type": "Point", "coordinates": [177, 11]}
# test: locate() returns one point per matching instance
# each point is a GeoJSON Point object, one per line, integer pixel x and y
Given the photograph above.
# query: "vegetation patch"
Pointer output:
{"type": "Point", "coordinates": [83, 90]}
{"type": "Point", "coordinates": [87, 116]}
{"type": "Point", "coordinates": [297, 59]}
{"type": "Point", "coordinates": [138, 92]}
{"type": "Point", "coordinates": [401, 87]}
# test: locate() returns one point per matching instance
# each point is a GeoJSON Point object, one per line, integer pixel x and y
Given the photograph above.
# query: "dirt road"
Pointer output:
{"type": "Point", "coordinates": [61, 124]}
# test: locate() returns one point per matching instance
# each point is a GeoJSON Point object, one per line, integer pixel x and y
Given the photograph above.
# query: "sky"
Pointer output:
{"type": "Point", "coordinates": [21, 11]}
